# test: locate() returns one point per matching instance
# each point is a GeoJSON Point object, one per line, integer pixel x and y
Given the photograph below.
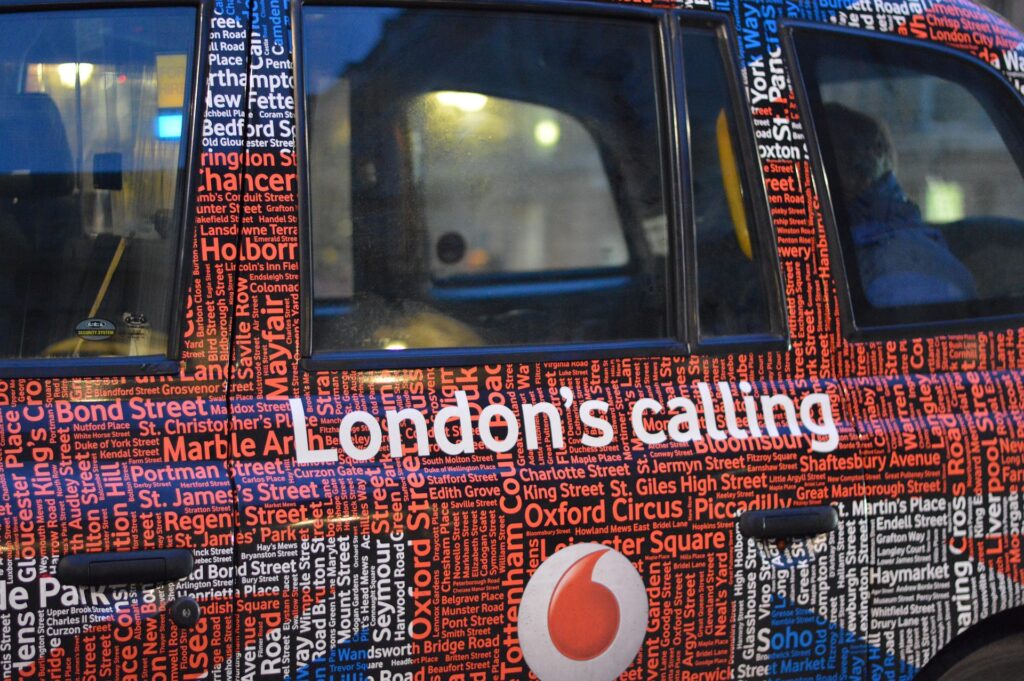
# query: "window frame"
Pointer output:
{"type": "Point", "coordinates": [752, 178]}
{"type": "Point", "coordinates": [184, 207]}
{"type": "Point", "coordinates": [853, 330]}
{"type": "Point", "coordinates": [682, 336]}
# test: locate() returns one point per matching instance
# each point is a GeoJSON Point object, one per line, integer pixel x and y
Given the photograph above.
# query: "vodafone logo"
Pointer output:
{"type": "Point", "coordinates": [583, 615]}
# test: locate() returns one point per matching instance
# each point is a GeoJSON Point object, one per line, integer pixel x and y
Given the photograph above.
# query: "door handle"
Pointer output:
{"type": "Point", "coordinates": [125, 567]}
{"type": "Point", "coordinates": [783, 523]}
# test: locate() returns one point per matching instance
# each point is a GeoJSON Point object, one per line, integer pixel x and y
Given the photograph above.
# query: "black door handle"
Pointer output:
{"type": "Point", "coordinates": [782, 523]}
{"type": "Point", "coordinates": [127, 567]}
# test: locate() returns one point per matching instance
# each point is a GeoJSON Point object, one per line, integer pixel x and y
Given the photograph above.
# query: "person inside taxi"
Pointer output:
{"type": "Point", "coordinates": [902, 260]}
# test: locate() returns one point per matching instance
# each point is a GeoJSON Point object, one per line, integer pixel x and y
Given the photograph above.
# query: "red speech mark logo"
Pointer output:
{"type": "Point", "coordinates": [583, 615]}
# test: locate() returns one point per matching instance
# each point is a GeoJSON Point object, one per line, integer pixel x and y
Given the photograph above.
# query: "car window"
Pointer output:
{"type": "Point", "coordinates": [499, 190]}
{"type": "Point", "coordinates": [733, 282]}
{"type": "Point", "coordinates": [922, 150]}
{"type": "Point", "coordinates": [91, 153]}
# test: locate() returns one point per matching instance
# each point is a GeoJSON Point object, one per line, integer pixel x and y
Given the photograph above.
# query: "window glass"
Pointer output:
{"type": "Point", "coordinates": [732, 280]}
{"type": "Point", "coordinates": [91, 152]}
{"type": "Point", "coordinates": [923, 152]}
{"type": "Point", "coordinates": [482, 179]}
{"type": "Point", "coordinates": [520, 186]}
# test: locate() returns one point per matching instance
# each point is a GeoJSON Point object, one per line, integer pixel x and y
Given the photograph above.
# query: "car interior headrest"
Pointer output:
{"type": "Point", "coordinates": [36, 157]}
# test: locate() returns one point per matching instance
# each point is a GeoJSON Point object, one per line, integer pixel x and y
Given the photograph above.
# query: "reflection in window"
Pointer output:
{"type": "Point", "coordinates": [521, 186]}
{"type": "Point", "coordinates": [89, 171]}
{"type": "Point", "coordinates": [482, 179]}
{"type": "Point", "coordinates": [922, 150]}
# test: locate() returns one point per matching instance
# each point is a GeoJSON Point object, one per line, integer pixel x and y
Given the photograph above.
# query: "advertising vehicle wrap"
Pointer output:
{"type": "Point", "coordinates": [511, 520]}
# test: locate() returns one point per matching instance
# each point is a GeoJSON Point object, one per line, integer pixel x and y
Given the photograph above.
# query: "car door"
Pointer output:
{"type": "Point", "coordinates": [117, 519]}
{"type": "Point", "coordinates": [411, 489]}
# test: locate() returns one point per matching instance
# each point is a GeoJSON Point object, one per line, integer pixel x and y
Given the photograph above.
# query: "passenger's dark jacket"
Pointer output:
{"type": "Point", "coordinates": [902, 260]}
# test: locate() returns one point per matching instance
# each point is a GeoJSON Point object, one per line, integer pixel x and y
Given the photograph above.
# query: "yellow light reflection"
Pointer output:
{"type": "Point", "coordinates": [336, 519]}
{"type": "Point", "coordinates": [547, 133]}
{"type": "Point", "coordinates": [468, 102]}
{"type": "Point", "coordinates": [943, 201]}
{"type": "Point", "coordinates": [67, 71]}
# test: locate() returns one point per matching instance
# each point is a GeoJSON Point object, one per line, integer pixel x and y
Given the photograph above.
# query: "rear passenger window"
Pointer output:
{"type": "Point", "coordinates": [482, 179]}
{"type": "Point", "coordinates": [923, 154]}
{"type": "Point", "coordinates": [92, 119]}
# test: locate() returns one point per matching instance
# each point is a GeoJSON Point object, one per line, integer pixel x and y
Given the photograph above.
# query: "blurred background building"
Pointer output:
{"type": "Point", "coordinates": [1011, 9]}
